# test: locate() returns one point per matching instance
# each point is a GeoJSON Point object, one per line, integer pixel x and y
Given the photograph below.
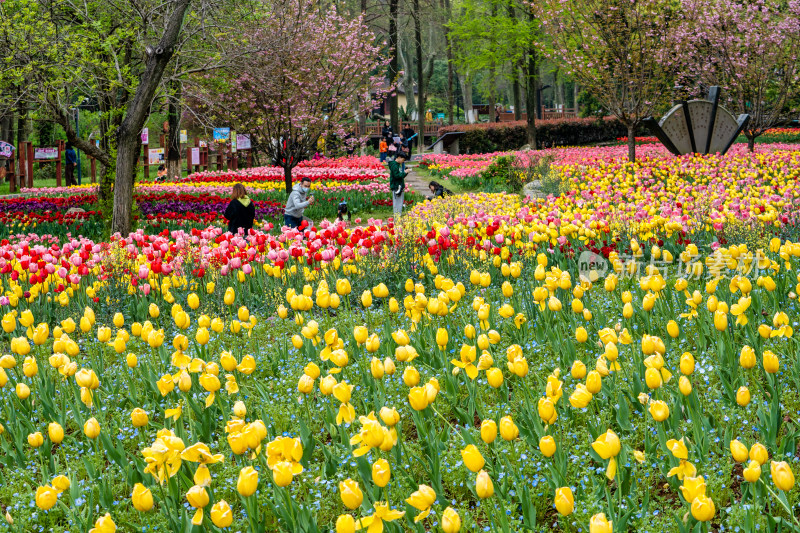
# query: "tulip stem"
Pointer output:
{"type": "Point", "coordinates": [785, 507]}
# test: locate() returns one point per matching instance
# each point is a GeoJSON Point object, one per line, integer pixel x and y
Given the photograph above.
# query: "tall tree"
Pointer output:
{"type": "Point", "coordinates": [750, 50]}
{"type": "Point", "coordinates": [393, 44]}
{"type": "Point", "coordinates": [314, 69]}
{"type": "Point", "coordinates": [115, 54]}
{"type": "Point", "coordinates": [613, 49]}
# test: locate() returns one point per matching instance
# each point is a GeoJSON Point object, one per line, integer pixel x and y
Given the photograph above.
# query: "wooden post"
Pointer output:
{"type": "Point", "coordinates": [94, 169]}
{"type": "Point", "coordinates": [29, 147]}
{"type": "Point", "coordinates": [219, 158]}
{"type": "Point", "coordinates": [12, 178]}
{"type": "Point", "coordinates": [188, 159]}
{"type": "Point", "coordinates": [234, 159]}
{"type": "Point", "coordinates": [146, 161]}
{"type": "Point", "coordinates": [60, 146]}
{"type": "Point", "coordinates": [250, 158]}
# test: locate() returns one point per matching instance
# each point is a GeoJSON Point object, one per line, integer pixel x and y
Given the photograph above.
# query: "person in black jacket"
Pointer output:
{"type": "Point", "coordinates": [387, 132]}
{"type": "Point", "coordinates": [241, 211]}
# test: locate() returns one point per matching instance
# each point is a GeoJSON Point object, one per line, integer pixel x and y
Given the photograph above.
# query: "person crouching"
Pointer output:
{"type": "Point", "coordinates": [296, 203]}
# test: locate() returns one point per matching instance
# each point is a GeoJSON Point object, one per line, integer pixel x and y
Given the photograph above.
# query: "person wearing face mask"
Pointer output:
{"type": "Point", "coordinates": [297, 203]}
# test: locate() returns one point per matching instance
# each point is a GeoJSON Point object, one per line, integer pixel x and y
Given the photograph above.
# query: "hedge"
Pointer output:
{"type": "Point", "coordinates": [501, 136]}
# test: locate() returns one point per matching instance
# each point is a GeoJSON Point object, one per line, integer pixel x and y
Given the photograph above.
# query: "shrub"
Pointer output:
{"type": "Point", "coordinates": [503, 136]}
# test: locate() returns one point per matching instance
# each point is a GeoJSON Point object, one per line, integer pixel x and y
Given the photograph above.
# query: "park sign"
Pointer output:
{"type": "Point", "coordinates": [222, 134]}
{"type": "Point", "coordinates": [6, 149]}
{"type": "Point", "coordinates": [243, 141]}
{"type": "Point", "coordinates": [45, 154]}
{"type": "Point", "coordinates": [698, 126]}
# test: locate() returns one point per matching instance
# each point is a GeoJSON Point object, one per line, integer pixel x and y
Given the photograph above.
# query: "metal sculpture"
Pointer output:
{"type": "Point", "coordinates": [698, 126]}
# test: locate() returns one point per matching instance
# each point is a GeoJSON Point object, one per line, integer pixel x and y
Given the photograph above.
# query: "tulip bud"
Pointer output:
{"type": "Point", "coordinates": [758, 452]}
{"type": "Point", "coordinates": [248, 481]}
{"type": "Point", "coordinates": [142, 498]}
{"type": "Point", "coordinates": [351, 494]}
{"type": "Point", "coordinates": [703, 508]}
{"type": "Point", "coordinates": [139, 417]}
{"type": "Point", "coordinates": [547, 445]}
{"type": "Point", "coordinates": [381, 473]}
{"type": "Point", "coordinates": [600, 524]}
{"type": "Point", "coordinates": [55, 432]}
{"type": "Point", "coordinates": [782, 475]}
{"type": "Point", "coordinates": [508, 429]}
{"type": "Point", "coordinates": [451, 522]}
{"type": "Point", "coordinates": [743, 396]}
{"type": "Point", "coordinates": [472, 458]}
{"type": "Point", "coordinates": [484, 487]}
{"type": "Point", "coordinates": [564, 501]}
{"type": "Point", "coordinates": [488, 431]}
{"type": "Point", "coordinates": [753, 472]}
{"type": "Point", "coordinates": [91, 428]}
{"type": "Point", "coordinates": [345, 524]}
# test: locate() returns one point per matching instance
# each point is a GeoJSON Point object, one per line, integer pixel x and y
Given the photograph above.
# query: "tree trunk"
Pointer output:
{"type": "Point", "coordinates": [516, 97]}
{"type": "Point", "coordinates": [575, 94]}
{"type": "Point", "coordinates": [492, 69]}
{"type": "Point", "coordinates": [631, 142]}
{"type": "Point", "coordinates": [450, 76]}
{"type": "Point", "coordinates": [466, 91]}
{"type": "Point", "coordinates": [128, 135]}
{"type": "Point", "coordinates": [393, 62]}
{"type": "Point", "coordinates": [420, 80]}
{"type": "Point", "coordinates": [174, 115]}
{"type": "Point", "coordinates": [751, 143]}
{"type": "Point", "coordinates": [287, 178]}
{"type": "Point", "coordinates": [362, 117]}
{"type": "Point", "coordinates": [530, 90]}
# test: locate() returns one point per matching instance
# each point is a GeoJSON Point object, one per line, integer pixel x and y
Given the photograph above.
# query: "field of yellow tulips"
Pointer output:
{"type": "Point", "coordinates": [471, 367]}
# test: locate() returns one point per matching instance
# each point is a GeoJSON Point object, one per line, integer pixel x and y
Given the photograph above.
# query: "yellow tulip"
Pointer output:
{"type": "Point", "coordinates": [743, 396]}
{"type": "Point", "coordinates": [484, 487]}
{"type": "Point", "coordinates": [451, 522]}
{"type": "Point", "coordinates": [229, 297]}
{"type": "Point", "coordinates": [753, 472]}
{"type": "Point", "coordinates": [46, 497]}
{"type": "Point", "coordinates": [782, 475]}
{"type": "Point", "coordinates": [381, 473]}
{"type": "Point", "coordinates": [738, 451]}
{"type": "Point", "coordinates": [142, 498]}
{"type": "Point", "coordinates": [693, 487]}
{"type": "Point", "coordinates": [607, 445]}
{"type": "Point", "coordinates": [472, 458]}
{"type": "Point", "coordinates": [600, 524]}
{"type": "Point", "coordinates": [55, 432]}
{"type": "Point", "coordinates": [221, 514]}
{"type": "Point", "coordinates": [350, 493]}
{"type": "Point", "coordinates": [410, 376]}
{"type": "Point", "coordinates": [35, 439]}
{"type": "Point", "coordinates": [564, 501]}
{"type": "Point", "coordinates": [282, 473]}
{"type": "Point", "coordinates": [248, 481]}
{"type": "Point", "coordinates": [488, 431]}
{"type": "Point", "coordinates": [771, 362]}
{"type": "Point", "coordinates": [547, 445]}
{"type": "Point", "coordinates": [345, 524]}
{"type": "Point", "coordinates": [703, 508]}
{"type": "Point", "coordinates": [659, 410]}
{"type": "Point", "coordinates": [758, 452]}
{"type": "Point", "coordinates": [508, 429]}
{"type": "Point", "coordinates": [91, 428]}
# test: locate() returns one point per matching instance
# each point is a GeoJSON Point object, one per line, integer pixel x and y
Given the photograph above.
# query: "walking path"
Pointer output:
{"type": "Point", "coordinates": [415, 182]}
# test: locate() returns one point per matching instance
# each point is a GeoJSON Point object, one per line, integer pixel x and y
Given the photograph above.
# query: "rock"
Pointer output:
{"type": "Point", "coordinates": [534, 189]}
{"type": "Point", "coordinates": [75, 210]}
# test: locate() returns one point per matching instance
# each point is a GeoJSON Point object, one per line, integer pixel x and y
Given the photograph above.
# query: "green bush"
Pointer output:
{"type": "Point", "coordinates": [503, 136]}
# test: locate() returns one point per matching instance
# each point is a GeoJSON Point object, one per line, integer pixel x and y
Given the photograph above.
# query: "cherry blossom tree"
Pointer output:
{"type": "Point", "coordinates": [613, 49]}
{"type": "Point", "coordinates": [749, 48]}
{"type": "Point", "coordinates": [316, 71]}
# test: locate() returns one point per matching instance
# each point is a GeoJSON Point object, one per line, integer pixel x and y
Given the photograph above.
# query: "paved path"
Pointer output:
{"type": "Point", "coordinates": [415, 182]}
